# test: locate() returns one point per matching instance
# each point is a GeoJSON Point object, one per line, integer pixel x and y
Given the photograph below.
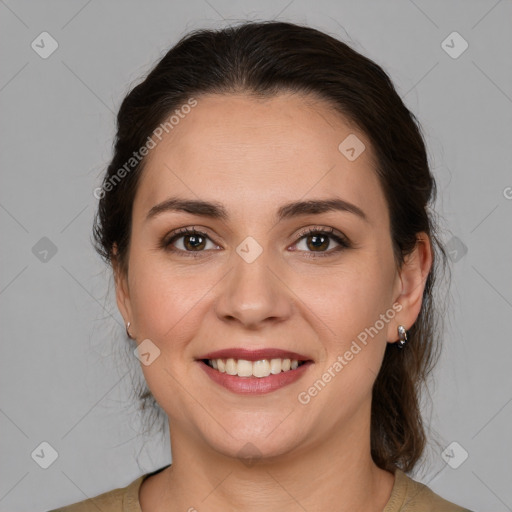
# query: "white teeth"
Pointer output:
{"type": "Point", "coordinates": [231, 367]}
{"type": "Point", "coordinates": [244, 368]}
{"type": "Point", "coordinates": [261, 368]}
{"type": "Point", "coordinates": [275, 366]}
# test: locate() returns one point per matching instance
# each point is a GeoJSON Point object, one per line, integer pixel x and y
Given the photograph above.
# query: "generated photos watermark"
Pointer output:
{"type": "Point", "coordinates": [304, 397]}
{"type": "Point", "coordinates": [137, 156]}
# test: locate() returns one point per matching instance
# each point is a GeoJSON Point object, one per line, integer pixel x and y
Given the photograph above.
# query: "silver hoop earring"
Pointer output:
{"type": "Point", "coordinates": [402, 336]}
{"type": "Point", "coordinates": [127, 331]}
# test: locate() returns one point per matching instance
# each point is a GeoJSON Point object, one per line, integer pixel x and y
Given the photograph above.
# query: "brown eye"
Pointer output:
{"type": "Point", "coordinates": [321, 241]}
{"type": "Point", "coordinates": [187, 241]}
{"type": "Point", "coordinates": [317, 242]}
{"type": "Point", "coordinates": [194, 242]}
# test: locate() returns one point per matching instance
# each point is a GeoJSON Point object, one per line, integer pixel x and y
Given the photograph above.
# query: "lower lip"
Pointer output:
{"type": "Point", "coordinates": [255, 385]}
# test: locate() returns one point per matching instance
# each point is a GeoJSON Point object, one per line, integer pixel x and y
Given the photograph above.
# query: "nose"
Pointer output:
{"type": "Point", "coordinates": [253, 294]}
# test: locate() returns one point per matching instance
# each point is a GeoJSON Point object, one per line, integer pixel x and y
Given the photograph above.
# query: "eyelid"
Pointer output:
{"type": "Point", "coordinates": [320, 229]}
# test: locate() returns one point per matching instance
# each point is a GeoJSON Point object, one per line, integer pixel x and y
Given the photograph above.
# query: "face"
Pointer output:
{"type": "Point", "coordinates": [264, 276]}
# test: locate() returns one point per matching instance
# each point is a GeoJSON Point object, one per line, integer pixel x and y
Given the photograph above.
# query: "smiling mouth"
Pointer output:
{"type": "Point", "coordinates": [261, 368]}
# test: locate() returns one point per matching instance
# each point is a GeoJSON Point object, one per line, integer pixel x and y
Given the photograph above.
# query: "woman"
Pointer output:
{"type": "Point", "coordinates": [266, 215]}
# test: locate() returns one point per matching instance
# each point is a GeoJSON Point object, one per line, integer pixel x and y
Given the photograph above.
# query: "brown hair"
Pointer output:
{"type": "Point", "coordinates": [264, 59]}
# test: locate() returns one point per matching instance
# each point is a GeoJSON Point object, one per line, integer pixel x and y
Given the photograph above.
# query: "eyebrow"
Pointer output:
{"type": "Point", "coordinates": [216, 210]}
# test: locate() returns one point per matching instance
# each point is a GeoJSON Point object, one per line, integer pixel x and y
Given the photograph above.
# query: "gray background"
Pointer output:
{"type": "Point", "coordinates": [63, 379]}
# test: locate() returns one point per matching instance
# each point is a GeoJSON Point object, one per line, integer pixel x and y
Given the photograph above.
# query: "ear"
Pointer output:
{"type": "Point", "coordinates": [122, 289]}
{"type": "Point", "coordinates": [410, 284]}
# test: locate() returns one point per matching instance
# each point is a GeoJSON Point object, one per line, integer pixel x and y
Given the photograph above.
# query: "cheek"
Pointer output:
{"type": "Point", "coordinates": [153, 302]}
{"type": "Point", "coordinates": [349, 303]}
{"type": "Point", "coordinates": [349, 299]}
{"type": "Point", "coordinates": [168, 306]}
{"type": "Point", "coordinates": [357, 312]}
{"type": "Point", "coordinates": [352, 342]}
{"type": "Point", "coordinates": [167, 302]}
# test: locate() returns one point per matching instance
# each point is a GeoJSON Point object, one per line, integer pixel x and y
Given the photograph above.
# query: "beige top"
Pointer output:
{"type": "Point", "coordinates": [407, 495]}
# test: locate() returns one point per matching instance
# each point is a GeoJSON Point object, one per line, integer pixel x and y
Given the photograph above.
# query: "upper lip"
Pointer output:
{"type": "Point", "coordinates": [254, 355]}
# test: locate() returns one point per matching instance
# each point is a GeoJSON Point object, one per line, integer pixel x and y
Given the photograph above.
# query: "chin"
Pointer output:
{"type": "Point", "coordinates": [264, 440]}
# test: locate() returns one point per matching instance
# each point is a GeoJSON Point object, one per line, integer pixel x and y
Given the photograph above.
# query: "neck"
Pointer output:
{"type": "Point", "coordinates": [339, 475]}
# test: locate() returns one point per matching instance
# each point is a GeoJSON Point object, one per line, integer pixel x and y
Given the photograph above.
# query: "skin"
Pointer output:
{"type": "Point", "coordinates": [252, 156]}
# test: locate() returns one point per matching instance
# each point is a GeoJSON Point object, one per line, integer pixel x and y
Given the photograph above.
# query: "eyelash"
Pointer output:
{"type": "Point", "coordinates": [343, 242]}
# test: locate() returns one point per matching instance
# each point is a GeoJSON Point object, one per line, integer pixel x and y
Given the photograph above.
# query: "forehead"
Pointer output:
{"type": "Point", "coordinates": [252, 152]}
